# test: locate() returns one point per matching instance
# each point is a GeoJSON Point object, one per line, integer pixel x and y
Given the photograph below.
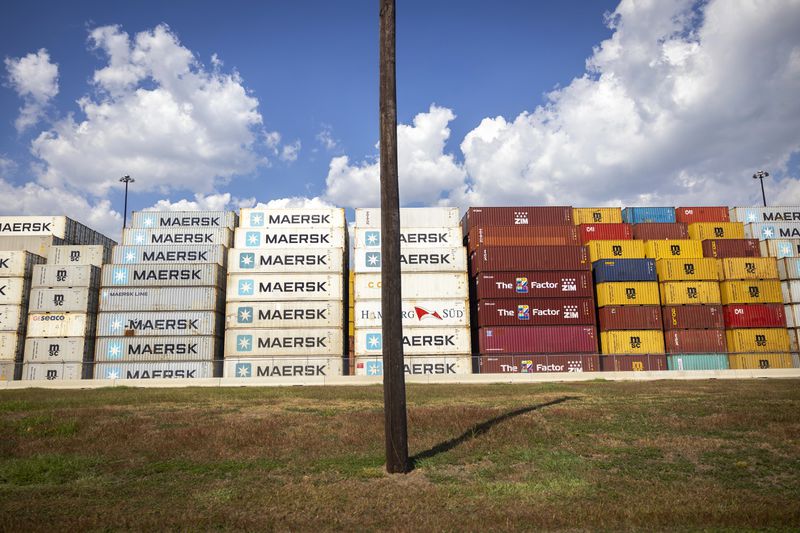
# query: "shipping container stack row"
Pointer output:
{"type": "Point", "coordinates": [162, 297]}
{"type": "Point", "coordinates": [435, 294]}
{"type": "Point", "coordinates": [36, 234]}
{"type": "Point", "coordinates": [287, 283]}
{"type": "Point", "coordinates": [16, 270]}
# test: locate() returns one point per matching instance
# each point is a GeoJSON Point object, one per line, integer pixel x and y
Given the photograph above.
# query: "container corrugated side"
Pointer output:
{"type": "Point", "coordinates": [162, 299]}
{"type": "Point", "coordinates": [169, 254]}
{"type": "Point", "coordinates": [536, 364]}
{"type": "Point", "coordinates": [415, 313]}
{"type": "Point", "coordinates": [751, 291]}
{"type": "Point", "coordinates": [283, 342]}
{"type": "Point", "coordinates": [780, 248]}
{"type": "Point", "coordinates": [695, 341]}
{"type": "Point", "coordinates": [65, 276]}
{"type": "Point", "coordinates": [693, 316]}
{"type": "Point", "coordinates": [509, 258]}
{"type": "Point", "coordinates": [8, 369]}
{"type": "Point", "coordinates": [614, 317]}
{"type": "Point", "coordinates": [416, 286]}
{"type": "Point", "coordinates": [13, 317]}
{"type": "Point", "coordinates": [162, 370]}
{"type": "Point", "coordinates": [697, 361]}
{"type": "Point", "coordinates": [537, 339]}
{"type": "Point", "coordinates": [414, 260]}
{"type": "Point", "coordinates": [758, 316]}
{"type": "Point", "coordinates": [18, 263]}
{"type": "Point", "coordinates": [722, 248]}
{"type": "Point", "coordinates": [788, 268]}
{"type": "Point", "coordinates": [23, 226]}
{"type": "Point", "coordinates": [515, 216]}
{"type": "Point", "coordinates": [567, 284]}
{"type": "Point", "coordinates": [790, 291]}
{"type": "Point", "coordinates": [12, 345]}
{"type": "Point", "coordinates": [163, 275]}
{"type": "Point", "coordinates": [765, 214]}
{"type": "Point", "coordinates": [290, 237]}
{"type": "Point", "coordinates": [596, 215]}
{"type": "Point", "coordinates": [604, 232]}
{"type": "Point", "coordinates": [628, 293]}
{"type": "Point", "coordinates": [14, 291]}
{"type": "Point", "coordinates": [417, 366]}
{"type": "Point", "coordinates": [286, 260]}
{"type": "Point", "coordinates": [690, 292]}
{"type": "Point", "coordinates": [703, 269]}
{"type": "Point", "coordinates": [633, 363]}
{"type": "Point", "coordinates": [182, 236]}
{"type": "Point", "coordinates": [650, 231]}
{"type": "Point", "coordinates": [775, 340]}
{"type": "Point", "coordinates": [51, 371]}
{"type": "Point", "coordinates": [674, 249]}
{"type": "Point", "coordinates": [61, 324]}
{"type": "Point", "coordinates": [293, 217]}
{"type": "Point", "coordinates": [183, 219]}
{"type": "Point", "coordinates": [535, 312]}
{"type": "Point", "coordinates": [760, 361]}
{"type": "Point", "coordinates": [702, 214]}
{"type": "Point", "coordinates": [733, 268]}
{"type": "Point", "coordinates": [281, 369]}
{"type": "Point", "coordinates": [638, 215]}
{"type": "Point", "coordinates": [157, 349]}
{"type": "Point", "coordinates": [59, 349]}
{"type": "Point", "coordinates": [608, 270]}
{"type": "Point", "coordinates": [322, 314]}
{"type": "Point", "coordinates": [36, 245]}
{"type": "Point", "coordinates": [417, 341]}
{"type": "Point", "coordinates": [79, 254]}
{"type": "Point", "coordinates": [772, 230]}
{"type": "Point", "coordinates": [631, 341]}
{"type": "Point", "coordinates": [63, 300]}
{"type": "Point", "coordinates": [623, 249]}
{"type": "Point", "coordinates": [447, 237]}
{"type": "Point", "coordinates": [522, 236]}
{"type": "Point", "coordinates": [285, 287]}
{"type": "Point", "coordinates": [716, 230]}
{"type": "Point", "coordinates": [174, 323]}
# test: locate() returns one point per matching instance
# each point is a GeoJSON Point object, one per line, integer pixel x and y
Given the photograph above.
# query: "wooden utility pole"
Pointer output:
{"type": "Point", "coordinates": [394, 379]}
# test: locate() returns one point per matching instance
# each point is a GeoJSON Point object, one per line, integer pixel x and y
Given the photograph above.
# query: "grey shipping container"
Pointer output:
{"type": "Point", "coordinates": [35, 245]}
{"type": "Point", "coordinates": [63, 300]}
{"type": "Point", "coordinates": [52, 371]}
{"type": "Point", "coordinates": [163, 275]}
{"type": "Point", "coordinates": [18, 263]}
{"type": "Point", "coordinates": [183, 219]}
{"type": "Point", "coordinates": [162, 299]}
{"type": "Point", "coordinates": [165, 370]}
{"type": "Point", "coordinates": [59, 349]}
{"type": "Point", "coordinates": [169, 254]}
{"type": "Point", "coordinates": [279, 369]}
{"type": "Point", "coordinates": [293, 217]}
{"type": "Point", "coordinates": [282, 342]}
{"type": "Point", "coordinates": [152, 349]}
{"type": "Point", "coordinates": [14, 291]}
{"type": "Point", "coordinates": [290, 237]}
{"type": "Point", "coordinates": [12, 318]}
{"type": "Point", "coordinates": [79, 254]}
{"type": "Point", "coordinates": [65, 276]}
{"type": "Point", "coordinates": [174, 323]}
{"type": "Point", "coordinates": [183, 236]}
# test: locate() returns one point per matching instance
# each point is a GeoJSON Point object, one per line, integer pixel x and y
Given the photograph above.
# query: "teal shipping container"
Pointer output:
{"type": "Point", "coordinates": [698, 361]}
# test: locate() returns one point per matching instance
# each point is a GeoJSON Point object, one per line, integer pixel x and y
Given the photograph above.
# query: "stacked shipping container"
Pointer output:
{"type": "Point", "coordinates": [16, 269]}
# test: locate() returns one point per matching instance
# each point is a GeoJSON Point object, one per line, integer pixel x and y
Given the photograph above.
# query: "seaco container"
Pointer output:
{"type": "Point", "coordinates": [537, 339]}
{"type": "Point", "coordinates": [535, 364]}
{"type": "Point", "coordinates": [63, 300]}
{"type": "Point", "coordinates": [281, 342]}
{"type": "Point", "coordinates": [283, 287]}
{"type": "Point", "coordinates": [514, 216]}
{"type": "Point", "coordinates": [411, 217]}
{"type": "Point", "coordinates": [416, 313]}
{"type": "Point", "coordinates": [631, 341]}
{"type": "Point", "coordinates": [286, 260]}
{"type": "Point", "coordinates": [294, 217]}
{"type": "Point", "coordinates": [780, 248]}
{"type": "Point", "coordinates": [772, 230]}
{"type": "Point", "coordinates": [615, 250]}
{"type": "Point", "coordinates": [695, 341]}
{"type": "Point", "coordinates": [174, 323]}
{"type": "Point", "coordinates": [162, 299]}
{"type": "Point", "coordinates": [314, 314]}
{"type": "Point", "coordinates": [751, 292]}
{"type": "Point", "coordinates": [567, 284]}
{"type": "Point", "coordinates": [698, 361]}
{"type": "Point", "coordinates": [652, 231]}
{"type": "Point", "coordinates": [788, 268]}
{"type": "Point", "coordinates": [169, 254]}
{"type": "Point", "coordinates": [183, 219]}
{"type": "Point", "coordinates": [693, 317]}
{"type": "Point", "coordinates": [624, 270]}
{"type": "Point", "coordinates": [65, 276]}
{"type": "Point", "coordinates": [616, 317]}
{"type": "Point", "coordinates": [414, 260]}
{"type": "Point", "coordinates": [504, 259]}
{"type": "Point", "coordinates": [522, 236]}
{"type": "Point", "coordinates": [628, 293]}
{"type": "Point", "coordinates": [61, 325]}
{"type": "Point", "coordinates": [536, 312]}
{"type": "Point", "coordinates": [716, 230]}
{"type": "Point", "coordinates": [760, 360]}
{"type": "Point", "coordinates": [633, 362]}
{"type": "Point", "coordinates": [411, 237]}
{"type": "Point", "coordinates": [703, 269]}
{"type": "Point", "coordinates": [690, 292]}
{"type": "Point", "coordinates": [691, 215]}
{"type": "Point", "coordinates": [416, 341]}
{"type": "Point", "coordinates": [775, 340]}
{"type": "Point", "coordinates": [604, 232]}
{"type": "Point", "coordinates": [674, 249]}
{"type": "Point", "coordinates": [174, 236]}
{"type": "Point", "coordinates": [283, 369]}
{"type": "Point", "coordinates": [18, 263]}
{"type": "Point", "coordinates": [156, 370]}
{"type": "Point", "coordinates": [596, 215]}
{"type": "Point", "coordinates": [59, 349]}
{"type": "Point", "coordinates": [733, 268]}
{"type": "Point", "coordinates": [163, 275]}
{"type": "Point", "coordinates": [765, 214]}
{"type": "Point", "coordinates": [416, 286]}
{"type": "Point", "coordinates": [756, 316]}
{"type": "Point", "coordinates": [149, 349]}
{"type": "Point", "coordinates": [638, 215]}
{"type": "Point", "coordinates": [722, 248]}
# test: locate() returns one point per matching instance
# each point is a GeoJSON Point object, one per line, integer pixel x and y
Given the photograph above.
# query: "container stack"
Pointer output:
{"type": "Point", "coordinates": [532, 290]}
{"type": "Point", "coordinates": [16, 269]}
{"type": "Point", "coordinates": [351, 325]}
{"type": "Point", "coordinates": [162, 298]}
{"type": "Point", "coordinates": [287, 283]}
{"type": "Point", "coordinates": [37, 234]}
{"type": "Point", "coordinates": [433, 263]}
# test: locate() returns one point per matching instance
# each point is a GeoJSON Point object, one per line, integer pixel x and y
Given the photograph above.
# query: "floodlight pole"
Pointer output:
{"type": "Point", "coordinates": [760, 175]}
{"type": "Point", "coordinates": [126, 180]}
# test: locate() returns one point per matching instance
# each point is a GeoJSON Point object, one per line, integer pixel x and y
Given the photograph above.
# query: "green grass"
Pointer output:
{"type": "Point", "coordinates": [705, 455]}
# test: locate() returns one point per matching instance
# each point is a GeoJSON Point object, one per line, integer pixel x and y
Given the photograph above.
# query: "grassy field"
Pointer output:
{"type": "Point", "coordinates": [641, 456]}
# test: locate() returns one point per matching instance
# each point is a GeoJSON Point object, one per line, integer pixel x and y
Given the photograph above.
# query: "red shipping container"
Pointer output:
{"type": "Point", "coordinates": [691, 215]}
{"type": "Point", "coordinates": [535, 364]}
{"type": "Point", "coordinates": [695, 341]}
{"type": "Point", "coordinates": [522, 284]}
{"type": "Point", "coordinates": [656, 231]}
{"type": "Point", "coordinates": [537, 339]}
{"type": "Point", "coordinates": [605, 232]}
{"type": "Point", "coordinates": [693, 317]}
{"type": "Point", "coordinates": [754, 316]}
{"type": "Point", "coordinates": [522, 236]}
{"type": "Point", "coordinates": [620, 317]}
{"type": "Point", "coordinates": [722, 248]}
{"type": "Point", "coordinates": [536, 312]}
{"type": "Point", "coordinates": [626, 363]}
{"type": "Point", "coordinates": [506, 258]}
{"type": "Point", "coordinates": [516, 216]}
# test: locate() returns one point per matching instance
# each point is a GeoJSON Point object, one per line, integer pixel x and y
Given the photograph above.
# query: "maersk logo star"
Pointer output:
{"type": "Point", "coordinates": [245, 315]}
{"type": "Point", "coordinates": [114, 350]}
{"type": "Point", "coordinates": [374, 368]}
{"type": "Point", "coordinates": [247, 260]}
{"type": "Point", "coordinates": [130, 257]}
{"type": "Point", "coordinates": [373, 259]}
{"type": "Point", "coordinates": [375, 341]}
{"type": "Point", "coordinates": [256, 220]}
{"type": "Point", "coordinates": [243, 370]}
{"type": "Point", "coordinates": [139, 238]}
{"type": "Point", "coordinates": [751, 217]}
{"type": "Point", "coordinates": [148, 222]}
{"type": "Point", "coordinates": [244, 343]}
{"type": "Point", "coordinates": [116, 325]}
{"type": "Point", "coordinates": [112, 373]}
{"type": "Point", "coordinates": [252, 238]}
{"type": "Point", "coordinates": [120, 276]}
{"type": "Point", "coordinates": [246, 287]}
{"type": "Point", "coordinates": [373, 238]}
{"type": "Point", "coordinates": [767, 232]}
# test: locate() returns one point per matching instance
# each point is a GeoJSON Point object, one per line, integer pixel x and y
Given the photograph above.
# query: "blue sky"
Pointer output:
{"type": "Point", "coordinates": [653, 119]}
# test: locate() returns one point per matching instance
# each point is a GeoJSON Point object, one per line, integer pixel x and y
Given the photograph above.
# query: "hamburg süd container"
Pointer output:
{"type": "Point", "coordinates": [507, 258]}
{"type": "Point", "coordinates": [633, 362]}
{"type": "Point", "coordinates": [631, 341]}
{"type": "Point", "coordinates": [18, 263]}
{"type": "Point", "coordinates": [765, 214]}
{"type": "Point", "coordinates": [615, 250]}
{"type": "Point", "coordinates": [173, 236]}
{"type": "Point", "coordinates": [157, 370]}
{"type": "Point", "coordinates": [716, 230]}
{"type": "Point", "coordinates": [79, 254]}
{"type": "Point", "coordinates": [690, 292]}
{"type": "Point", "coordinates": [155, 323]}
{"type": "Point", "coordinates": [152, 349]}
{"type": "Point", "coordinates": [163, 275]}
{"type": "Point", "coordinates": [12, 317]}
{"type": "Point", "coordinates": [161, 299]}
{"type": "Point", "coordinates": [411, 217]}
{"type": "Point", "coordinates": [416, 313]}
{"type": "Point", "coordinates": [535, 364]}
{"type": "Point", "coordinates": [285, 287]}
{"type": "Point", "coordinates": [733, 268]}
{"type": "Point", "coordinates": [760, 360]}
{"type": "Point", "coordinates": [615, 317]}
{"type": "Point", "coordinates": [604, 232]}
{"type": "Point", "coordinates": [788, 268]}
{"type": "Point", "coordinates": [283, 342]}
{"type": "Point", "coordinates": [514, 216]}
{"type": "Point", "coordinates": [751, 292]}
{"type": "Point", "coordinates": [63, 300]}
{"type": "Point", "coordinates": [416, 286]}
{"type": "Point", "coordinates": [61, 325]}
{"type": "Point", "coordinates": [183, 219]}
{"type": "Point", "coordinates": [722, 248]}
{"type": "Point", "coordinates": [51, 371]}
{"type": "Point", "coordinates": [639, 215]}
{"type": "Point", "coordinates": [14, 291]}
{"type": "Point", "coordinates": [780, 248]}
{"type": "Point", "coordinates": [536, 312]}
{"type": "Point", "coordinates": [300, 314]}
{"type": "Point", "coordinates": [693, 317]}
{"type": "Point", "coordinates": [537, 339]}
{"type": "Point", "coordinates": [607, 270]}
{"type": "Point", "coordinates": [417, 341]}
{"type": "Point", "coordinates": [628, 293]}
{"type": "Point", "coordinates": [772, 230]}
{"type": "Point", "coordinates": [702, 269]}
{"type": "Point", "coordinates": [596, 215]}
{"type": "Point", "coordinates": [523, 284]}
{"type": "Point", "coordinates": [293, 217]}
{"type": "Point", "coordinates": [757, 316]}
{"type": "Point", "coordinates": [59, 349]}
{"type": "Point", "coordinates": [447, 237]}
{"type": "Point", "coordinates": [277, 369]}
{"type": "Point", "coordinates": [775, 340]}
{"type": "Point", "coordinates": [414, 260]}
{"type": "Point", "coordinates": [169, 254]}
{"type": "Point", "coordinates": [481, 236]}
{"type": "Point", "coordinates": [286, 260]}
{"type": "Point", "coordinates": [674, 249]}
{"type": "Point", "coordinates": [290, 237]}
{"type": "Point", "coordinates": [691, 215]}
{"type": "Point", "coordinates": [698, 361]}
{"type": "Point", "coordinates": [651, 231]}
{"type": "Point", "coordinates": [417, 365]}
{"type": "Point", "coordinates": [65, 276]}
{"type": "Point", "coordinates": [695, 341]}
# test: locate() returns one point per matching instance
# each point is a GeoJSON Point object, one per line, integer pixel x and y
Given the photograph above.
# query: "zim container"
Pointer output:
{"type": "Point", "coordinates": [417, 313]}
{"type": "Point", "coordinates": [537, 339]}
{"type": "Point", "coordinates": [651, 231]}
{"type": "Point", "coordinates": [716, 230]}
{"type": "Point", "coordinates": [618, 317]}
{"type": "Point", "coordinates": [702, 214]}
{"type": "Point", "coordinates": [605, 232]}
{"type": "Point", "coordinates": [695, 341]}
{"type": "Point", "coordinates": [673, 249]}
{"type": "Point", "coordinates": [321, 314]}
{"type": "Point", "coordinates": [277, 369]}
{"type": "Point", "coordinates": [522, 236]}
{"type": "Point", "coordinates": [690, 292]}
{"type": "Point", "coordinates": [789, 268]}
{"type": "Point", "coordinates": [631, 342]}
{"type": "Point", "coordinates": [625, 249]}
{"type": "Point", "coordinates": [537, 364]}
{"type": "Point", "coordinates": [158, 370]}
{"type": "Point", "coordinates": [169, 254]}
{"type": "Point", "coordinates": [59, 350]}
{"type": "Point", "coordinates": [515, 216]}
{"type": "Point", "coordinates": [300, 217]}
{"type": "Point", "coordinates": [628, 293]}
{"type": "Point", "coordinates": [411, 217]}
{"type": "Point", "coordinates": [698, 361]}
{"type": "Point", "coordinates": [536, 312]}
{"type": "Point", "coordinates": [607, 270]}
{"type": "Point", "coordinates": [183, 219]}
{"type": "Point", "coordinates": [772, 230]}
{"type": "Point", "coordinates": [596, 215]}
{"type": "Point", "coordinates": [780, 248]}
{"type": "Point", "coordinates": [411, 237]}
{"type": "Point", "coordinates": [760, 360]}
{"type": "Point", "coordinates": [416, 365]}
{"type": "Point", "coordinates": [693, 317]}
{"type": "Point", "coordinates": [751, 292]}
{"type": "Point", "coordinates": [567, 284]}
{"type": "Point", "coordinates": [775, 340]}
{"type": "Point", "coordinates": [417, 341]}
{"type": "Point", "coordinates": [702, 269]}
{"type": "Point", "coordinates": [18, 263]}
{"type": "Point", "coordinates": [414, 260]}
{"type": "Point", "coordinates": [152, 349]}
{"type": "Point", "coordinates": [416, 286]}
{"type": "Point", "coordinates": [733, 268]}
{"type": "Point", "coordinates": [722, 248]}
{"type": "Point", "coordinates": [634, 362]}
{"type": "Point", "coordinates": [638, 215]}
{"type": "Point", "coordinates": [757, 316]}
{"type": "Point", "coordinates": [290, 237]}
{"type": "Point", "coordinates": [504, 259]}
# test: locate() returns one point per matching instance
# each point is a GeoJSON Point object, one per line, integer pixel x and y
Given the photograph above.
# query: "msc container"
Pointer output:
{"type": "Point", "coordinates": [537, 339]}
{"type": "Point", "coordinates": [751, 292]}
{"type": "Point", "coordinates": [716, 230]}
{"type": "Point", "coordinates": [417, 341]}
{"type": "Point", "coordinates": [758, 316]}
{"type": "Point", "coordinates": [536, 312]}
{"type": "Point", "coordinates": [690, 292]}
{"type": "Point", "coordinates": [703, 269]}
{"type": "Point", "coordinates": [639, 215]}
{"type": "Point", "coordinates": [615, 250]}
{"type": "Point", "coordinates": [627, 293]}
{"type": "Point", "coordinates": [162, 370]}
{"type": "Point", "coordinates": [604, 232]}
{"type": "Point", "coordinates": [691, 215]}
{"type": "Point", "coordinates": [12, 318]}
{"type": "Point", "coordinates": [734, 268]}
{"type": "Point", "coordinates": [61, 325]}
{"type": "Point", "coordinates": [633, 363]}
{"type": "Point", "coordinates": [760, 360]}
{"type": "Point", "coordinates": [63, 300]}
{"type": "Point", "coordinates": [608, 270]}
{"type": "Point", "coordinates": [674, 249]}
{"type": "Point", "coordinates": [293, 217]}
{"type": "Point", "coordinates": [51, 371]}
{"type": "Point", "coordinates": [596, 215]}
{"type": "Point", "coordinates": [183, 219]}
{"type": "Point", "coordinates": [279, 368]}
{"type": "Point", "coordinates": [66, 276]}
{"type": "Point", "coordinates": [522, 236]}
{"type": "Point", "coordinates": [283, 287]}
{"type": "Point", "coordinates": [514, 216]}
{"type": "Point", "coordinates": [772, 230]}
{"type": "Point", "coordinates": [163, 275]}
{"type": "Point", "coordinates": [697, 361]}
{"type": "Point", "coordinates": [412, 237]}
{"type": "Point", "coordinates": [693, 317]}
{"type": "Point", "coordinates": [775, 340]}
{"type": "Point", "coordinates": [652, 231]}
{"type": "Point", "coordinates": [788, 268]}
{"type": "Point", "coordinates": [638, 341]}
{"type": "Point", "coordinates": [416, 313]}
{"type": "Point", "coordinates": [722, 248]}
{"type": "Point", "coordinates": [535, 364]}
{"type": "Point", "coordinates": [415, 260]}
{"type": "Point", "coordinates": [416, 286]}
{"type": "Point", "coordinates": [506, 258]}
{"type": "Point", "coordinates": [176, 323]}
{"type": "Point", "coordinates": [169, 254]}
{"type": "Point", "coordinates": [411, 217]}
{"type": "Point", "coordinates": [614, 317]}
{"type": "Point", "coordinates": [576, 284]}
{"type": "Point", "coordinates": [417, 366]}
{"type": "Point", "coordinates": [11, 346]}
{"type": "Point", "coordinates": [17, 226]}
{"type": "Point", "coordinates": [695, 341]}
{"type": "Point", "coordinates": [290, 237]}
{"type": "Point", "coordinates": [162, 299]}
{"type": "Point", "coordinates": [182, 236]}
{"type": "Point", "coordinates": [86, 254]}
{"type": "Point", "coordinates": [325, 314]}
{"type": "Point", "coordinates": [150, 349]}
{"type": "Point", "coordinates": [36, 245]}
{"type": "Point", "coordinates": [14, 291]}
{"type": "Point", "coordinates": [765, 214]}
{"type": "Point", "coordinates": [59, 349]}
{"type": "Point", "coordinates": [779, 248]}
{"type": "Point", "coordinates": [18, 263]}
{"type": "Point", "coordinates": [281, 342]}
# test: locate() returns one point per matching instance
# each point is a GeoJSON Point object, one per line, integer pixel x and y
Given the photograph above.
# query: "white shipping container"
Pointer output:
{"type": "Point", "coordinates": [165, 370]}
{"type": "Point", "coordinates": [66, 276]}
{"type": "Point", "coordinates": [162, 299]}
{"type": "Point", "coordinates": [780, 248]}
{"type": "Point", "coordinates": [772, 230]}
{"type": "Point", "coordinates": [63, 300]}
{"type": "Point", "coordinates": [319, 217]}
{"type": "Point", "coordinates": [183, 219]}
{"type": "Point", "coordinates": [11, 346]}
{"type": "Point", "coordinates": [324, 314]}
{"type": "Point", "coordinates": [415, 260]}
{"type": "Point", "coordinates": [78, 254]}
{"type": "Point", "coordinates": [765, 214]}
{"type": "Point", "coordinates": [182, 236]}
{"type": "Point", "coordinates": [16, 226]}
{"type": "Point", "coordinates": [12, 317]}
{"type": "Point", "coordinates": [417, 341]}
{"type": "Point", "coordinates": [51, 371]}
{"type": "Point", "coordinates": [286, 260]}
{"type": "Point", "coordinates": [284, 287]}
{"type": "Point", "coordinates": [794, 340]}
{"type": "Point", "coordinates": [421, 313]}
{"type": "Point", "coordinates": [169, 254]}
{"type": "Point", "coordinates": [61, 324]}
{"type": "Point", "coordinates": [279, 369]}
{"type": "Point", "coordinates": [152, 349]}
{"type": "Point", "coordinates": [7, 370]}
{"type": "Point", "coordinates": [789, 268]}
{"type": "Point", "coordinates": [416, 286]}
{"type": "Point", "coordinates": [792, 312]}
{"type": "Point", "coordinates": [418, 365]}
{"type": "Point", "coordinates": [412, 237]}
{"type": "Point", "coordinates": [281, 342]}
{"type": "Point", "coordinates": [280, 237]}
{"type": "Point", "coordinates": [17, 263]}
{"type": "Point", "coordinates": [36, 245]}
{"type": "Point", "coordinates": [59, 349]}
{"type": "Point", "coordinates": [14, 291]}
{"type": "Point", "coordinates": [791, 291]}
{"type": "Point", "coordinates": [176, 323]}
{"type": "Point", "coordinates": [412, 217]}
{"type": "Point", "coordinates": [163, 275]}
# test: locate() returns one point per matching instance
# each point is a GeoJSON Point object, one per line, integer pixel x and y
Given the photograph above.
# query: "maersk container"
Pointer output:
{"type": "Point", "coordinates": [23, 226]}
{"type": "Point", "coordinates": [510, 258]}
{"type": "Point", "coordinates": [697, 361]}
{"type": "Point", "coordinates": [790, 291]}
{"type": "Point", "coordinates": [767, 340]}
{"type": "Point", "coordinates": [314, 314]}
{"type": "Point", "coordinates": [604, 232]}
{"type": "Point", "coordinates": [702, 214]}
{"type": "Point", "coordinates": [170, 254]}
{"type": "Point", "coordinates": [411, 217]}
{"type": "Point", "coordinates": [157, 349]}
{"type": "Point", "coordinates": [13, 317]}
{"type": "Point", "coordinates": [631, 341]}
{"type": "Point", "coordinates": [63, 300]}
{"type": "Point", "coordinates": [716, 230]}
{"type": "Point", "coordinates": [566, 284]}
{"type": "Point", "coordinates": [596, 215]}
{"type": "Point", "coordinates": [86, 276]}
{"type": "Point", "coordinates": [290, 237]}
{"type": "Point", "coordinates": [11, 346]}
{"type": "Point", "coordinates": [772, 230]}
{"type": "Point", "coordinates": [638, 215]}
{"type": "Point", "coordinates": [616, 317]}
{"type": "Point", "coordinates": [183, 219]}
{"type": "Point", "coordinates": [36, 245]}
{"type": "Point", "coordinates": [175, 323]}
{"type": "Point", "coordinates": [416, 313]}
{"type": "Point", "coordinates": [537, 339]}
{"type": "Point", "coordinates": [765, 214]}
{"type": "Point", "coordinates": [283, 342]}
{"type": "Point", "coordinates": [417, 341]}
{"type": "Point", "coordinates": [14, 291]}
{"type": "Point", "coordinates": [625, 249]}
{"type": "Point", "coordinates": [693, 316]}
{"type": "Point", "coordinates": [162, 299]}
{"type": "Point", "coordinates": [514, 216]}
{"type": "Point", "coordinates": [695, 341]}
{"type": "Point", "coordinates": [329, 217]}
{"type": "Point", "coordinates": [416, 286]}
{"type": "Point", "coordinates": [703, 269]}
{"type": "Point", "coordinates": [163, 275]}
{"type": "Point", "coordinates": [18, 263]}
{"type": "Point", "coordinates": [779, 248]}
{"type": "Point", "coordinates": [760, 360]}
{"type": "Point", "coordinates": [741, 268]}
{"type": "Point", "coordinates": [181, 236]}
{"type": "Point", "coordinates": [628, 293]}
{"type": "Point", "coordinates": [674, 249]}
{"type": "Point", "coordinates": [282, 369]}
{"type": "Point", "coordinates": [751, 291]}
{"type": "Point", "coordinates": [61, 324]}
{"type": "Point", "coordinates": [759, 316]}
{"type": "Point", "coordinates": [415, 365]}
{"type": "Point", "coordinates": [59, 349]}
{"type": "Point", "coordinates": [633, 363]}
{"type": "Point", "coordinates": [286, 260]}
{"type": "Point", "coordinates": [447, 237]}
{"type": "Point", "coordinates": [51, 371]}
{"type": "Point", "coordinates": [285, 287]}
{"type": "Point", "coordinates": [537, 364]}
{"type": "Point", "coordinates": [414, 260]}
{"type": "Point", "coordinates": [652, 231]}
{"type": "Point", "coordinates": [79, 254]}
{"type": "Point", "coordinates": [789, 268]}
{"type": "Point", "coordinates": [481, 236]}
{"type": "Point", "coordinates": [535, 312]}
{"type": "Point", "coordinates": [607, 270]}
{"type": "Point", "coordinates": [158, 370]}
{"type": "Point", "coordinates": [690, 292]}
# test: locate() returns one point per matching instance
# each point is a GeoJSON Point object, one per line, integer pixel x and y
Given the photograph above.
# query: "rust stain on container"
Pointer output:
{"type": "Point", "coordinates": [522, 236]}
{"type": "Point", "coordinates": [617, 317]}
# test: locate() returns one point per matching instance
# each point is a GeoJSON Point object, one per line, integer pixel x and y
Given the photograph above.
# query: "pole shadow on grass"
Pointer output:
{"type": "Point", "coordinates": [479, 429]}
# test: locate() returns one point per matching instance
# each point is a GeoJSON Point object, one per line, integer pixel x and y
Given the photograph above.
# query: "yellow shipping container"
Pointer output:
{"type": "Point", "coordinates": [690, 292]}
{"type": "Point", "coordinates": [751, 292]}
{"type": "Point", "coordinates": [766, 340]}
{"type": "Point", "coordinates": [627, 293]}
{"type": "Point", "coordinates": [615, 250]}
{"type": "Point", "coordinates": [704, 269]}
{"type": "Point", "coordinates": [674, 249]}
{"type": "Point", "coordinates": [764, 360]}
{"type": "Point", "coordinates": [351, 330]}
{"type": "Point", "coordinates": [632, 341]}
{"type": "Point", "coordinates": [596, 215]}
{"type": "Point", "coordinates": [716, 230]}
{"type": "Point", "coordinates": [748, 268]}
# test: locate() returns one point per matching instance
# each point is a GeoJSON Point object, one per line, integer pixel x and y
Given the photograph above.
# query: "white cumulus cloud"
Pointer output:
{"type": "Point", "coordinates": [203, 202]}
{"type": "Point", "coordinates": [289, 152]}
{"type": "Point", "coordinates": [294, 202]}
{"type": "Point", "coordinates": [35, 79]}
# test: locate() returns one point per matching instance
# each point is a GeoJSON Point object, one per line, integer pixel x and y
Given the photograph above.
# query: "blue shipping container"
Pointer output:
{"type": "Point", "coordinates": [638, 215]}
{"type": "Point", "coordinates": [624, 270]}
{"type": "Point", "coordinates": [698, 361]}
